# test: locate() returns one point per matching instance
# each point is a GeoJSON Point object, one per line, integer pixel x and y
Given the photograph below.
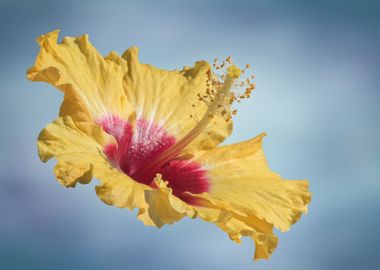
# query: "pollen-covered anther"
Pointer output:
{"type": "Point", "coordinates": [244, 86]}
{"type": "Point", "coordinates": [241, 88]}
{"type": "Point", "coordinates": [222, 100]}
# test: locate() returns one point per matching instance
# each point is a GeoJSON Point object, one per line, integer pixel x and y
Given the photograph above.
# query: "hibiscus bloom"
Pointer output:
{"type": "Point", "coordinates": [151, 136]}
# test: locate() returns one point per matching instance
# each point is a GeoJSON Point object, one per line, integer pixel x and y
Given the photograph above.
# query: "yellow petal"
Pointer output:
{"type": "Point", "coordinates": [170, 97]}
{"type": "Point", "coordinates": [242, 183]}
{"type": "Point", "coordinates": [164, 207]}
{"type": "Point", "coordinates": [237, 226]}
{"type": "Point", "coordinates": [78, 147]}
{"type": "Point", "coordinates": [92, 85]}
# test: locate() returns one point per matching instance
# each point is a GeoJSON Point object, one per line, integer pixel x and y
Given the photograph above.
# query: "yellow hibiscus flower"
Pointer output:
{"type": "Point", "coordinates": [150, 136]}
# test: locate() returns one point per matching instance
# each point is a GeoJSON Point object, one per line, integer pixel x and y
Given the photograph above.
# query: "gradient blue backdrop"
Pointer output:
{"type": "Point", "coordinates": [317, 66]}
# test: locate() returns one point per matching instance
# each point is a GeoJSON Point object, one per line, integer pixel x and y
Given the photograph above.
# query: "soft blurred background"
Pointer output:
{"type": "Point", "coordinates": [317, 65]}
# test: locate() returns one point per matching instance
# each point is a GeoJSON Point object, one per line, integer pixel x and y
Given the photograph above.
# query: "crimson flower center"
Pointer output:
{"type": "Point", "coordinates": [137, 146]}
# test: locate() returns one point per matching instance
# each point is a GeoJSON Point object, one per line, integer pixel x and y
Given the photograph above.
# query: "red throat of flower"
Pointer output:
{"type": "Point", "coordinates": [136, 147]}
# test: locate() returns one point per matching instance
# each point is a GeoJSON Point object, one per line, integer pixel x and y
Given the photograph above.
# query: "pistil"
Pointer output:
{"type": "Point", "coordinates": [172, 152]}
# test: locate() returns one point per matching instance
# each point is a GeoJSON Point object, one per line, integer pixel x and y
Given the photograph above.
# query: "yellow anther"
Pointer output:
{"type": "Point", "coordinates": [233, 72]}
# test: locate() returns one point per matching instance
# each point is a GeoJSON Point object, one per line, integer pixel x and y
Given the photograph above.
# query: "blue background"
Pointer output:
{"type": "Point", "coordinates": [317, 66]}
